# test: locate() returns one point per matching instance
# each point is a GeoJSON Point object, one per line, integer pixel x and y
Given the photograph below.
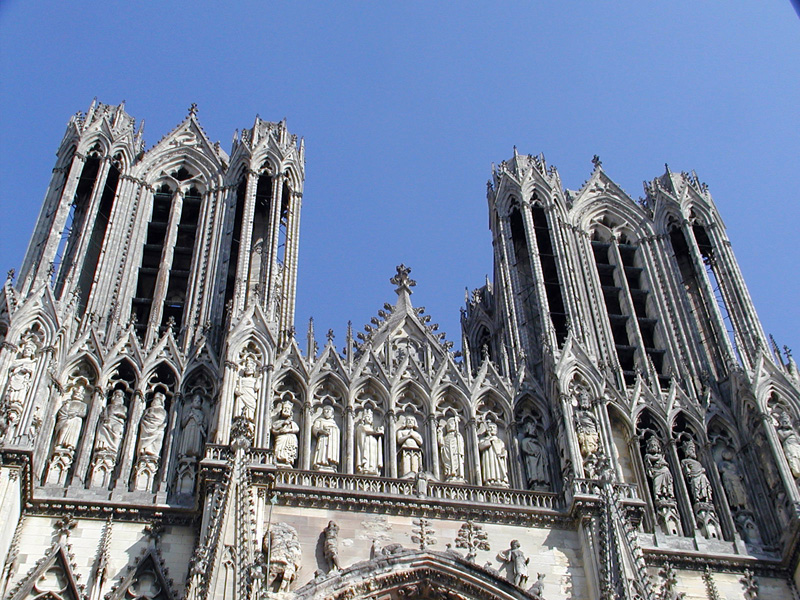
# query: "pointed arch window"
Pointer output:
{"type": "Point", "coordinates": [76, 220]}
{"type": "Point", "coordinates": [183, 251]}
{"type": "Point", "coordinates": [552, 283]}
{"type": "Point", "coordinates": [151, 256]}
{"type": "Point", "coordinates": [626, 297]}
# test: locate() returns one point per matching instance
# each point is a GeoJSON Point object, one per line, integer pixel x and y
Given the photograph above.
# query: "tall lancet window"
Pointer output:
{"type": "Point", "coordinates": [260, 242]}
{"type": "Point", "coordinates": [628, 304]}
{"type": "Point", "coordinates": [552, 284]}
{"type": "Point", "coordinates": [183, 251]}
{"type": "Point", "coordinates": [98, 230]}
{"type": "Point", "coordinates": [527, 288]}
{"type": "Point", "coordinates": [68, 248]}
{"type": "Point", "coordinates": [699, 307]}
{"type": "Point", "coordinates": [236, 240]}
{"type": "Point", "coordinates": [151, 256]}
{"type": "Point", "coordinates": [709, 254]}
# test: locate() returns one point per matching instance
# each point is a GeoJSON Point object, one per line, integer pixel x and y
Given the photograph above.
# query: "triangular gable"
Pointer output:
{"type": "Point", "coordinates": [330, 362]}
{"type": "Point", "coordinates": [370, 365]}
{"type": "Point", "coordinates": [146, 578]}
{"type": "Point", "coordinates": [128, 346]}
{"type": "Point", "coordinates": [53, 576]}
{"type": "Point", "coordinates": [167, 350]}
{"type": "Point", "coordinates": [291, 358]}
{"type": "Point", "coordinates": [449, 374]}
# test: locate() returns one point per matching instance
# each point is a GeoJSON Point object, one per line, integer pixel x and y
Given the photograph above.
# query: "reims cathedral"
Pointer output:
{"type": "Point", "coordinates": [616, 423]}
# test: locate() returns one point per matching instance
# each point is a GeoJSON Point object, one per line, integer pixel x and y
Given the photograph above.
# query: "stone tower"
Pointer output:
{"type": "Point", "coordinates": [616, 424]}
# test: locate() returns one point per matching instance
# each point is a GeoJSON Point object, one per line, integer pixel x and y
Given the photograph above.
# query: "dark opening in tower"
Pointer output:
{"type": "Point", "coordinates": [236, 237]}
{"type": "Point", "coordinates": [527, 291]}
{"type": "Point", "coordinates": [552, 284]}
{"type": "Point", "coordinates": [151, 257]}
{"type": "Point", "coordinates": [185, 242]}
{"type": "Point", "coordinates": [76, 220]}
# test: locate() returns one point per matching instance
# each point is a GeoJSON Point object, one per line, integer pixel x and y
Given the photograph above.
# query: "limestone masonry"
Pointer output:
{"type": "Point", "coordinates": [615, 425]}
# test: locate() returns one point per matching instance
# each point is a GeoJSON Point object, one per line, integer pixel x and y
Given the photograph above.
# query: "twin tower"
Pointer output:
{"type": "Point", "coordinates": [616, 420]}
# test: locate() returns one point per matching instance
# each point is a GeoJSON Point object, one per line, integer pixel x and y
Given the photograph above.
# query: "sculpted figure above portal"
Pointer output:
{"type": "Point", "coordinates": [284, 435]}
{"type": "Point", "coordinates": [409, 444]}
{"type": "Point", "coordinates": [369, 445]}
{"type": "Point", "coordinates": [328, 436]}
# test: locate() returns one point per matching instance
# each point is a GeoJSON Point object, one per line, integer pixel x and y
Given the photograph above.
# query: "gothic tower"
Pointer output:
{"type": "Point", "coordinates": [616, 424]}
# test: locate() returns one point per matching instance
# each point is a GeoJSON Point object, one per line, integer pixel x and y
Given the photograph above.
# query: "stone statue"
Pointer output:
{"type": "Point", "coordinates": [494, 457]}
{"type": "Point", "coordinates": [283, 556]}
{"type": "Point", "coordinates": [369, 445]}
{"type": "Point", "coordinates": [790, 442]}
{"type": "Point", "coordinates": [152, 427]}
{"type": "Point", "coordinates": [325, 429]}
{"type": "Point", "coordinates": [517, 563]}
{"type": "Point", "coordinates": [284, 431]}
{"type": "Point", "coordinates": [193, 426]}
{"type": "Point", "coordinates": [586, 425]}
{"type": "Point", "coordinates": [699, 485]}
{"type": "Point", "coordinates": [19, 381]}
{"type": "Point", "coordinates": [451, 449]}
{"type": "Point", "coordinates": [409, 443]}
{"type": "Point", "coordinates": [247, 386]}
{"type": "Point", "coordinates": [69, 420]}
{"type": "Point", "coordinates": [535, 457]}
{"type": "Point", "coordinates": [331, 546]}
{"type": "Point", "coordinates": [732, 480]}
{"type": "Point", "coordinates": [658, 470]}
{"type": "Point", "coordinates": [537, 589]}
{"type": "Point", "coordinates": [112, 424]}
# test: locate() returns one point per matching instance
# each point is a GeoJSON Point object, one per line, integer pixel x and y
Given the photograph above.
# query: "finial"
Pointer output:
{"type": "Point", "coordinates": [10, 276]}
{"type": "Point", "coordinates": [193, 109]}
{"type": "Point", "coordinates": [597, 162]}
{"type": "Point", "coordinates": [403, 282]}
{"type": "Point", "coordinates": [329, 336]}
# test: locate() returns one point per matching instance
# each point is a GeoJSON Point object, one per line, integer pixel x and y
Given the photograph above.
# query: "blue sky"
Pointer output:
{"type": "Point", "coordinates": [405, 106]}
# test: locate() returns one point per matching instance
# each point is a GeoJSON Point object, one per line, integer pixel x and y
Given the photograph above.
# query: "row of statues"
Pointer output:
{"type": "Point", "coordinates": [111, 427]}
{"type": "Point", "coordinates": [369, 442]}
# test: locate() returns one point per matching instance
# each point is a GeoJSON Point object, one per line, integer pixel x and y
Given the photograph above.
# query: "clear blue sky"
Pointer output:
{"type": "Point", "coordinates": [405, 106]}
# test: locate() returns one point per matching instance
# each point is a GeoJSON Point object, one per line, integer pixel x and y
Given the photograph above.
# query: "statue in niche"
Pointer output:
{"type": "Point", "coordinates": [494, 457]}
{"type": "Point", "coordinates": [69, 420]}
{"type": "Point", "coordinates": [283, 555]}
{"type": "Point", "coordinates": [152, 427]}
{"type": "Point", "coordinates": [19, 381]}
{"type": "Point", "coordinates": [732, 480]}
{"type": "Point", "coordinates": [369, 445]}
{"type": "Point", "coordinates": [193, 426]}
{"type": "Point", "coordinates": [108, 440]}
{"type": "Point", "coordinates": [790, 442]}
{"type": "Point", "coordinates": [190, 447]}
{"type": "Point", "coordinates": [325, 429]}
{"type": "Point", "coordinates": [247, 386]}
{"type": "Point", "coordinates": [699, 485]}
{"type": "Point", "coordinates": [409, 443]}
{"type": "Point", "coordinates": [112, 424]}
{"type": "Point", "coordinates": [451, 449]}
{"type": "Point", "coordinates": [535, 457]}
{"type": "Point", "coordinates": [517, 563]}
{"type": "Point", "coordinates": [586, 425]}
{"type": "Point", "coordinates": [658, 470]}
{"type": "Point", "coordinates": [284, 432]}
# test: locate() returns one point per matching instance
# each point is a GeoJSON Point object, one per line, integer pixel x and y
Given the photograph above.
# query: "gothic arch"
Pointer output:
{"type": "Point", "coordinates": [413, 574]}
{"type": "Point", "coordinates": [97, 143]}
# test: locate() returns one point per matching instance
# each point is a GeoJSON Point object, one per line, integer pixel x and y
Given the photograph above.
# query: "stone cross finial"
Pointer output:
{"type": "Point", "coordinates": [597, 162]}
{"type": "Point", "coordinates": [403, 282]}
{"type": "Point", "coordinates": [193, 109]}
{"type": "Point", "coordinates": [10, 275]}
{"type": "Point", "coordinates": [329, 336]}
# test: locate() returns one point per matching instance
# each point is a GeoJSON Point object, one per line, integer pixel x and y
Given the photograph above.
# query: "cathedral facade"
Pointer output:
{"type": "Point", "coordinates": [615, 425]}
